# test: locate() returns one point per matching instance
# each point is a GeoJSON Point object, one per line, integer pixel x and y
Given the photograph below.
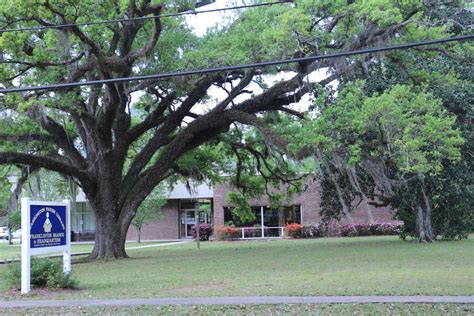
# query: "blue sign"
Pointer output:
{"type": "Point", "coordinates": [48, 226]}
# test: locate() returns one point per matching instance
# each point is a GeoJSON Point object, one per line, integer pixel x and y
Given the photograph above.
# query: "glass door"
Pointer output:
{"type": "Point", "coordinates": [190, 220]}
{"type": "Point", "coordinates": [189, 210]}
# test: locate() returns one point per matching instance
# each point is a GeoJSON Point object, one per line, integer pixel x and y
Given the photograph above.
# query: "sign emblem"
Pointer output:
{"type": "Point", "coordinates": [47, 224]}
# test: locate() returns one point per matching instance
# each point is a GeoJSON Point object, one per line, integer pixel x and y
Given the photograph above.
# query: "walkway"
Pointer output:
{"type": "Point", "coordinates": [241, 300]}
{"type": "Point", "coordinates": [160, 244]}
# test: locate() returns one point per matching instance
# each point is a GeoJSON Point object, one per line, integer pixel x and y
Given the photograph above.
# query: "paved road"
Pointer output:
{"type": "Point", "coordinates": [241, 300]}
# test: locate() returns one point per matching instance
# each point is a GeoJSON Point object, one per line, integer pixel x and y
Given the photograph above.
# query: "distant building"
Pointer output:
{"type": "Point", "coordinates": [178, 214]}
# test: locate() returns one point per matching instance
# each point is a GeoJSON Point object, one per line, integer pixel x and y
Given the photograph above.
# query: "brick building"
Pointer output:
{"type": "Point", "coordinates": [179, 213]}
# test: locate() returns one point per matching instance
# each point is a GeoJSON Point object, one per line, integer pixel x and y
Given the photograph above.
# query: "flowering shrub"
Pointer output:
{"type": "Point", "coordinates": [389, 228]}
{"type": "Point", "coordinates": [293, 230]}
{"type": "Point", "coordinates": [349, 230]}
{"type": "Point", "coordinates": [378, 229]}
{"type": "Point", "coordinates": [205, 231]}
{"type": "Point", "coordinates": [311, 231]}
{"type": "Point", "coordinates": [334, 229]}
{"type": "Point", "coordinates": [363, 229]}
{"type": "Point", "coordinates": [226, 232]}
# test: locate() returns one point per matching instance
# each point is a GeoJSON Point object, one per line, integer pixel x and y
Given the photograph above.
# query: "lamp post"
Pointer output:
{"type": "Point", "coordinates": [196, 226]}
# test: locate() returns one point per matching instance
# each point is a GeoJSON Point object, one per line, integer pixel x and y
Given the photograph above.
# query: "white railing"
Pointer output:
{"type": "Point", "coordinates": [261, 232]}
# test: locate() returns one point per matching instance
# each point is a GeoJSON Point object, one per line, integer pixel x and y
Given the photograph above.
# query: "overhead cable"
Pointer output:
{"type": "Point", "coordinates": [149, 17]}
{"type": "Point", "coordinates": [238, 67]}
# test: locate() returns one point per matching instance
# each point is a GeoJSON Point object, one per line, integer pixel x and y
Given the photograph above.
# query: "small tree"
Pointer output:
{"type": "Point", "coordinates": [149, 210]}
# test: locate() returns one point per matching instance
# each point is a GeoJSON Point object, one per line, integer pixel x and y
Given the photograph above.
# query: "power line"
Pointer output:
{"type": "Point", "coordinates": [58, 26]}
{"type": "Point", "coordinates": [237, 67]}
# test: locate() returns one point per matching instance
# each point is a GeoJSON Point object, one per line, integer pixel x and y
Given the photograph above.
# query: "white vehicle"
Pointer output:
{"type": "Point", "coordinates": [4, 233]}
{"type": "Point", "coordinates": [16, 234]}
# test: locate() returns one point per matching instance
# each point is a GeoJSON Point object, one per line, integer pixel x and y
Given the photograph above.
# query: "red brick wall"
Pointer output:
{"type": "Point", "coordinates": [167, 227]}
{"type": "Point", "coordinates": [309, 201]}
{"type": "Point", "coordinates": [220, 197]}
{"type": "Point", "coordinates": [379, 214]}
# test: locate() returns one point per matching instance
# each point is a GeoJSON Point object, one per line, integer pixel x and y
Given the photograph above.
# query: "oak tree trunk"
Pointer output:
{"type": "Point", "coordinates": [110, 237]}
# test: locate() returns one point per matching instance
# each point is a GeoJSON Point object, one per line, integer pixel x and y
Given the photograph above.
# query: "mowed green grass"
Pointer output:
{"type": "Point", "coordinates": [9, 252]}
{"type": "Point", "coordinates": [281, 309]}
{"type": "Point", "coordinates": [329, 266]}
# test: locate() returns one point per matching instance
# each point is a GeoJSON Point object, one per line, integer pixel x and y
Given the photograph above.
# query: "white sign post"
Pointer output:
{"type": "Point", "coordinates": [45, 228]}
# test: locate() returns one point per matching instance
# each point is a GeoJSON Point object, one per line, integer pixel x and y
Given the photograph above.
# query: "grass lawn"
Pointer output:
{"type": "Point", "coordinates": [283, 309]}
{"type": "Point", "coordinates": [8, 252]}
{"type": "Point", "coordinates": [329, 266]}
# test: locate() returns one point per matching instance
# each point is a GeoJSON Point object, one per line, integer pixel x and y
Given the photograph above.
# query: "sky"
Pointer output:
{"type": "Point", "coordinates": [202, 22]}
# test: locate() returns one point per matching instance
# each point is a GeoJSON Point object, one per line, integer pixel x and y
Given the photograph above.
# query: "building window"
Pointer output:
{"type": "Point", "coordinates": [293, 214]}
{"type": "Point", "coordinates": [271, 217]}
{"type": "Point", "coordinates": [231, 219]}
{"type": "Point", "coordinates": [82, 218]}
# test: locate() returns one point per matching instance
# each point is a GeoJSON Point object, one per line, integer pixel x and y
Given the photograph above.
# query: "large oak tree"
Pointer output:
{"type": "Point", "coordinates": [120, 140]}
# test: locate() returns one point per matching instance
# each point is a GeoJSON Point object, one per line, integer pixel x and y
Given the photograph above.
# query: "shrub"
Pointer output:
{"type": "Point", "coordinates": [389, 228]}
{"type": "Point", "coordinates": [44, 272]}
{"type": "Point", "coordinates": [332, 229]}
{"type": "Point", "coordinates": [12, 275]}
{"type": "Point", "coordinates": [293, 230]}
{"type": "Point", "coordinates": [377, 229]}
{"type": "Point", "coordinates": [311, 231]}
{"type": "Point", "coordinates": [363, 230]}
{"type": "Point", "coordinates": [349, 230]}
{"type": "Point", "coordinates": [226, 232]}
{"type": "Point", "coordinates": [205, 231]}
{"type": "Point", "coordinates": [253, 232]}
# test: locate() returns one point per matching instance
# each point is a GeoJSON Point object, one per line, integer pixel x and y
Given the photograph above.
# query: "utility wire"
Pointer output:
{"type": "Point", "coordinates": [59, 26]}
{"type": "Point", "coordinates": [238, 67]}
